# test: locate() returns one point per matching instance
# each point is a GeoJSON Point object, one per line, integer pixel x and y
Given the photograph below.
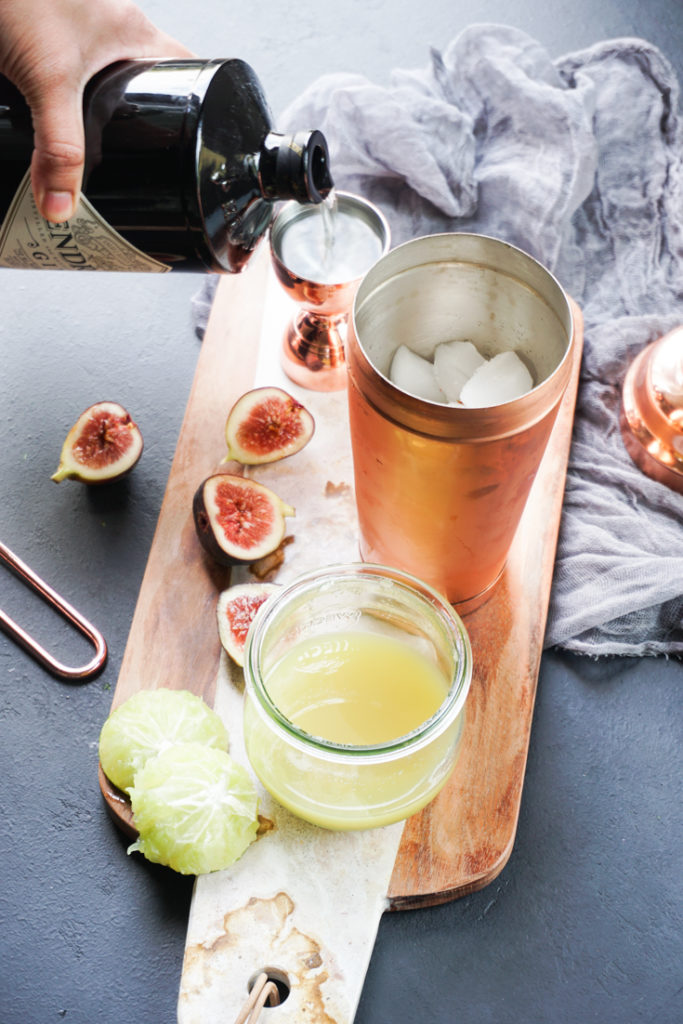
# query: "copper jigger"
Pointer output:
{"type": "Point", "coordinates": [652, 410]}
{"type": "Point", "coordinates": [323, 282]}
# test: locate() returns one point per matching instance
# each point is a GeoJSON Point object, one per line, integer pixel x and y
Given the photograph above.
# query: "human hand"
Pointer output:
{"type": "Point", "coordinates": [50, 51]}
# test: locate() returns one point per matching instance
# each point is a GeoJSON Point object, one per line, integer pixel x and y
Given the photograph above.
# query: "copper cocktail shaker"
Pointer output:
{"type": "Point", "coordinates": [441, 489]}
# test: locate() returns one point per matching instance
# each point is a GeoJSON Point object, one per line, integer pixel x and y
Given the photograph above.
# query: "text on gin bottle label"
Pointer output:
{"type": "Point", "coordinates": [85, 242]}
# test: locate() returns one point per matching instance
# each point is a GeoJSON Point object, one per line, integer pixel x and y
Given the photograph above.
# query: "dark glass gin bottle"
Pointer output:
{"type": "Point", "coordinates": [182, 171]}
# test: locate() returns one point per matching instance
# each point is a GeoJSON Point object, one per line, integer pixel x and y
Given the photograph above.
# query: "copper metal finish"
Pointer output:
{"type": "Point", "coordinates": [441, 489]}
{"type": "Point", "coordinates": [314, 344]}
{"type": "Point", "coordinates": [64, 608]}
{"type": "Point", "coordinates": [652, 410]}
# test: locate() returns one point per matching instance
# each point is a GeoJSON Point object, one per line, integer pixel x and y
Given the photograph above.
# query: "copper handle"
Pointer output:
{"type": "Point", "coordinates": [64, 608]}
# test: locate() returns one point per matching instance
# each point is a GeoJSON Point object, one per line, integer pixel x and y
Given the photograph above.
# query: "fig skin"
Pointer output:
{"type": "Point", "coordinates": [238, 520]}
{"type": "Point", "coordinates": [103, 445]}
{"type": "Point", "coordinates": [266, 424]}
{"type": "Point", "coordinates": [235, 611]}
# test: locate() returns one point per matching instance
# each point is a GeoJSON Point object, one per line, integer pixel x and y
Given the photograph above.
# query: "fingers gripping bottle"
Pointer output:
{"type": "Point", "coordinates": [182, 169]}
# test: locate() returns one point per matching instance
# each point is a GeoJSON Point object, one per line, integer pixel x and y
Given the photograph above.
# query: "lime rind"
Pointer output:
{"type": "Point", "coordinates": [150, 722]}
{"type": "Point", "coordinates": [195, 808]}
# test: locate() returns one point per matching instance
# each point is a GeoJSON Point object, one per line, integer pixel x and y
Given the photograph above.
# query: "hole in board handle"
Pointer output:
{"type": "Point", "coordinates": [277, 977]}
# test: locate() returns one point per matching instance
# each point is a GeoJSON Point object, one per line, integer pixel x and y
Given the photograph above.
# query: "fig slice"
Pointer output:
{"type": "Point", "coordinates": [267, 424]}
{"type": "Point", "coordinates": [103, 444]}
{"type": "Point", "coordinates": [237, 519]}
{"type": "Point", "coordinates": [236, 609]}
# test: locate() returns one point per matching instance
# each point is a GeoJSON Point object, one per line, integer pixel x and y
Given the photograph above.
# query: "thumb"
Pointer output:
{"type": "Point", "coordinates": [59, 152]}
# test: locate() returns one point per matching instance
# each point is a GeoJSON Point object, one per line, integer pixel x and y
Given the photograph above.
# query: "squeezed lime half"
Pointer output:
{"type": "Point", "coordinates": [195, 808]}
{"type": "Point", "coordinates": [150, 722]}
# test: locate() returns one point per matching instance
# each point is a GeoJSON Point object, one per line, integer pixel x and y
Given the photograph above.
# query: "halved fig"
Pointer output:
{"type": "Point", "coordinates": [238, 520]}
{"type": "Point", "coordinates": [235, 610]}
{"type": "Point", "coordinates": [267, 424]}
{"type": "Point", "coordinates": [103, 444]}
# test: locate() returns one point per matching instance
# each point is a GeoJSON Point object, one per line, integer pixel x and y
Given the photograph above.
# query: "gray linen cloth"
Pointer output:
{"type": "Point", "coordinates": [579, 161]}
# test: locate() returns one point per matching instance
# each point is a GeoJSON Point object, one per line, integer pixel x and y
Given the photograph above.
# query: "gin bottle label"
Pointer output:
{"type": "Point", "coordinates": [85, 242]}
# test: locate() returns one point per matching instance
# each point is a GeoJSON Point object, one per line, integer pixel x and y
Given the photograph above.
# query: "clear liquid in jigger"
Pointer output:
{"type": "Point", "coordinates": [329, 244]}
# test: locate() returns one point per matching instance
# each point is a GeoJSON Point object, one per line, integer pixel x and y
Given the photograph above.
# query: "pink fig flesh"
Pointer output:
{"type": "Point", "coordinates": [237, 519]}
{"type": "Point", "coordinates": [267, 424]}
{"type": "Point", "coordinates": [236, 609]}
{"type": "Point", "coordinates": [103, 444]}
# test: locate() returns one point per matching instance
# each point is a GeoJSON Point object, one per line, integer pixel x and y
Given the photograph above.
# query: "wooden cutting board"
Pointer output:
{"type": "Point", "coordinates": [286, 900]}
{"type": "Point", "coordinates": [462, 840]}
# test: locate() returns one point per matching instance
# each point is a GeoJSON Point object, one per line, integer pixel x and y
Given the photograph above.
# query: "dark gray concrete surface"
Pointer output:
{"type": "Point", "coordinates": [584, 923]}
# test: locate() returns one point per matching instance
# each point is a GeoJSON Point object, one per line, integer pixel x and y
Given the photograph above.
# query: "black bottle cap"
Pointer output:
{"type": "Point", "coordinates": [295, 166]}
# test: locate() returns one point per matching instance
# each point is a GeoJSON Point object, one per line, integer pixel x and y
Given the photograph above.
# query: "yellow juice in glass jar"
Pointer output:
{"type": "Point", "coordinates": [356, 681]}
{"type": "Point", "coordinates": [358, 688]}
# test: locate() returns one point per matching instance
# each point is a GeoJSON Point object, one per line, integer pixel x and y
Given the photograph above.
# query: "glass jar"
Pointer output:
{"type": "Point", "coordinates": [343, 785]}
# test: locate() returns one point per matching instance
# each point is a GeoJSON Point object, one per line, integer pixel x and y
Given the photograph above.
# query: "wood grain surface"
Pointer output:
{"type": "Point", "coordinates": [173, 640]}
{"type": "Point", "coordinates": [463, 839]}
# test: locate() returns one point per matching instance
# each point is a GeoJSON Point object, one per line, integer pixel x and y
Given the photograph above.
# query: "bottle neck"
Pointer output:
{"type": "Point", "coordinates": [295, 166]}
